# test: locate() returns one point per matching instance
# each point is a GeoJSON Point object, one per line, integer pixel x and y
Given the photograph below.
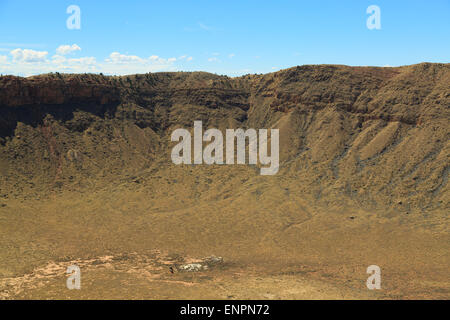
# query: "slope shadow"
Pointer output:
{"type": "Point", "coordinates": [34, 115]}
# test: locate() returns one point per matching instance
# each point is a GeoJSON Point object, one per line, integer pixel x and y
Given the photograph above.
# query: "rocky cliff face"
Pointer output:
{"type": "Point", "coordinates": [57, 90]}
{"type": "Point", "coordinates": [350, 136]}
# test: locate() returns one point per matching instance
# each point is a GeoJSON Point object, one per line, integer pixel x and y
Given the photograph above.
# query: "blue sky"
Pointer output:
{"type": "Point", "coordinates": [224, 37]}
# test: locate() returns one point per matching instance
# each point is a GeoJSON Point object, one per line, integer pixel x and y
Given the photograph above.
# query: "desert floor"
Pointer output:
{"type": "Point", "coordinates": [125, 249]}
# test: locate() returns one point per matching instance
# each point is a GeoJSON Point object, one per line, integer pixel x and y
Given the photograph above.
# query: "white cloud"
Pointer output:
{"type": "Point", "coordinates": [83, 61]}
{"type": "Point", "coordinates": [61, 60]}
{"type": "Point", "coordinates": [66, 49]}
{"type": "Point", "coordinates": [157, 59]}
{"type": "Point", "coordinates": [117, 57]}
{"type": "Point", "coordinates": [204, 26]}
{"type": "Point", "coordinates": [185, 57]}
{"type": "Point", "coordinates": [28, 55]}
{"type": "Point", "coordinates": [231, 55]}
{"type": "Point", "coordinates": [118, 63]}
{"type": "Point", "coordinates": [29, 62]}
{"type": "Point", "coordinates": [57, 59]}
{"type": "Point", "coordinates": [213, 59]}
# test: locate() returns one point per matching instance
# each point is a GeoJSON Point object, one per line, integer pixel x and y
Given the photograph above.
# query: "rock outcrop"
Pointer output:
{"type": "Point", "coordinates": [358, 136]}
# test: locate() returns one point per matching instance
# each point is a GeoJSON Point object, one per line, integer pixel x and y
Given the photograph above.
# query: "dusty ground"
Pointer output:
{"type": "Point", "coordinates": [125, 250]}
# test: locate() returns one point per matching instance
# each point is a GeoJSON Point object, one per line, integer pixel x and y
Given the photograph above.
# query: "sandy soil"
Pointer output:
{"type": "Point", "coordinates": [129, 255]}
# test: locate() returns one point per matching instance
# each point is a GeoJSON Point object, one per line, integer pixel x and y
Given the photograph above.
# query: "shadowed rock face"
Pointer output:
{"type": "Point", "coordinates": [57, 90]}
{"type": "Point", "coordinates": [350, 136]}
